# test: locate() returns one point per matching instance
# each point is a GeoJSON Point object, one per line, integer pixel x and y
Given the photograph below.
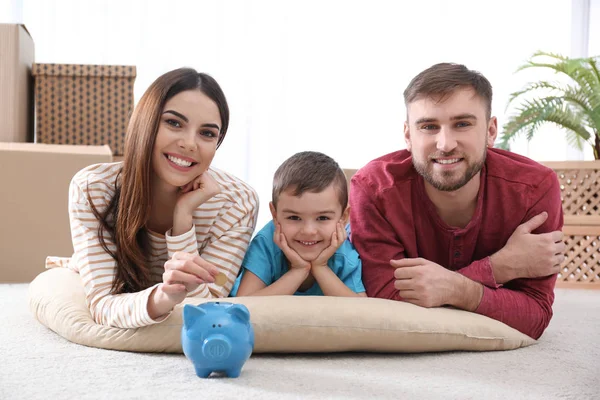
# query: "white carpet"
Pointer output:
{"type": "Point", "coordinates": [36, 363]}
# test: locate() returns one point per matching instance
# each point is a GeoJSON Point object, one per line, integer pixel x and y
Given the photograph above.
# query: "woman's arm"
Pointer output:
{"type": "Point", "coordinates": [96, 267]}
{"type": "Point", "coordinates": [220, 233]}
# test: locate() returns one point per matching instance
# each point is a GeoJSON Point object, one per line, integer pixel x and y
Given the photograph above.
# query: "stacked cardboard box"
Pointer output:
{"type": "Point", "coordinates": [83, 104]}
{"type": "Point", "coordinates": [34, 203]}
{"type": "Point", "coordinates": [16, 89]}
{"type": "Point", "coordinates": [76, 106]}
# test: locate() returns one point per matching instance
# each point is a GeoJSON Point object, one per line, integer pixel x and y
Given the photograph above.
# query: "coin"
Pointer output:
{"type": "Point", "coordinates": [220, 279]}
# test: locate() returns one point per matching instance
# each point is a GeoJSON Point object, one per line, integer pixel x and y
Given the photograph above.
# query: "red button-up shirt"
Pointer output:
{"type": "Point", "coordinates": [392, 217]}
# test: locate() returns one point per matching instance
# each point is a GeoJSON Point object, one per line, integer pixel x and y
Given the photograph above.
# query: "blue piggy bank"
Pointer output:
{"type": "Point", "coordinates": [217, 337]}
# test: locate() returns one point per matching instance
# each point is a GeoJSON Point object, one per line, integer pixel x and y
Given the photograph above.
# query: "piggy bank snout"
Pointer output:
{"type": "Point", "coordinates": [216, 347]}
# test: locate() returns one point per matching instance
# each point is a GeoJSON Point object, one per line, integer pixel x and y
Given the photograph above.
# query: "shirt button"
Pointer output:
{"type": "Point", "coordinates": [456, 254]}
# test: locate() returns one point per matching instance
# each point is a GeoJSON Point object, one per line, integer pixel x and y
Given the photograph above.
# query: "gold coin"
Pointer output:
{"type": "Point", "coordinates": [220, 279]}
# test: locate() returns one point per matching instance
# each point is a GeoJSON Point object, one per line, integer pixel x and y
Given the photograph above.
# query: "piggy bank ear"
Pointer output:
{"type": "Point", "coordinates": [240, 311]}
{"type": "Point", "coordinates": [191, 314]}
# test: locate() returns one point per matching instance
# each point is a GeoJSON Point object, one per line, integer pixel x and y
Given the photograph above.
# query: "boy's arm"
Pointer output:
{"type": "Point", "coordinates": [328, 281]}
{"type": "Point", "coordinates": [346, 281]}
{"type": "Point", "coordinates": [288, 284]}
{"type": "Point", "coordinates": [331, 284]}
{"type": "Point", "coordinates": [259, 266]}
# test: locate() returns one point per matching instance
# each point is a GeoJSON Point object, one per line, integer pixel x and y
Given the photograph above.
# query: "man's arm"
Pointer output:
{"type": "Point", "coordinates": [375, 240]}
{"type": "Point", "coordinates": [525, 255]}
{"type": "Point", "coordinates": [524, 304]}
{"type": "Point", "coordinates": [535, 249]}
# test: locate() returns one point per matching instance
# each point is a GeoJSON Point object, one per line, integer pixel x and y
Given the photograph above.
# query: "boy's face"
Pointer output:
{"type": "Point", "coordinates": [309, 220]}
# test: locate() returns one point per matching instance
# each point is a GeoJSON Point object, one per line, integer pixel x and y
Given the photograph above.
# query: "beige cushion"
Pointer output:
{"type": "Point", "coordinates": [283, 324]}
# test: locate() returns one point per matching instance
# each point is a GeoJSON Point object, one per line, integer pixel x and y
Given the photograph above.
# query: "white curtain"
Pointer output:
{"type": "Point", "coordinates": [309, 75]}
{"type": "Point", "coordinates": [594, 29]}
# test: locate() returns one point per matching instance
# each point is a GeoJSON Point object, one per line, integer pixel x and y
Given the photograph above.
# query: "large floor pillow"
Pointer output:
{"type": "Point", "coordinates": [283, 324]}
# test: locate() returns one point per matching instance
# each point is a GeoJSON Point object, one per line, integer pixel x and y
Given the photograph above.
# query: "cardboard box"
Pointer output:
{"type": "Point", "coordinates": [34, 203]}
{"type": "Point", "coordinates": [83, 104]}
{"type": "Point", "coordinates": [16, 84]}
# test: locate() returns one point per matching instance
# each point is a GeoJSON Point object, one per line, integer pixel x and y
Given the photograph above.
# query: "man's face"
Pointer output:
{"type": "Point", "coordinates": [448, 139]}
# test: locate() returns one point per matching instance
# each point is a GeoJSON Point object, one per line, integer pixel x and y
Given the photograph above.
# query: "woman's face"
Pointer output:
{"type": "Point", "coordinates": [186, 142]}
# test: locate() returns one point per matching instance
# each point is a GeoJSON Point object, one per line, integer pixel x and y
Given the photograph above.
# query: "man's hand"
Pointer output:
{"type": "Point", "coordinates": [423, 282]}
{"type": "Point", "coordinates": [427, 284]}
{"type": "Point", "coordinates": [529, 255]}
{"type": "Point", "coordinates": [337, 238]}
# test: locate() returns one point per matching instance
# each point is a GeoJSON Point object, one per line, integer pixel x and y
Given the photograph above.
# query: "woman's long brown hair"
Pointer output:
{"type": "Point", "coordinates": [128, 211]}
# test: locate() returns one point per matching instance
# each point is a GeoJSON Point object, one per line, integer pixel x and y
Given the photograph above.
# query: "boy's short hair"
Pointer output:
{"type": "Point", "coordinates": [310, 171]}
{"type": "Point", "coordinates": [443, 79]}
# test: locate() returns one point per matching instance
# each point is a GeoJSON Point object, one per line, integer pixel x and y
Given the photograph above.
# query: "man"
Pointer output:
{"type": "Point", "coordinates": [452, 221]}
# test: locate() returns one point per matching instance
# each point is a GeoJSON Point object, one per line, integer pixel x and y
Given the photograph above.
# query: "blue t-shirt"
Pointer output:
{"type": "Point", "coordinates": [265, 260]}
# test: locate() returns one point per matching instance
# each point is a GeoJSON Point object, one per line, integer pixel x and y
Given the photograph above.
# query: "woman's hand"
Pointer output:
{"type": "Point", "coordinates": [191, 195]}
{"type": "Point", "coordinates": [196, 192]}
{"type": "Point", "coordinates": [168, 295]}
{"type": "Point", "coordinates": [183, 274]}
{"type": "Point", "coordinates": [189, 270]}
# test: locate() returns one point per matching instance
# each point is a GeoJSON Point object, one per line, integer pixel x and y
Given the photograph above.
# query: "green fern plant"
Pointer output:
{"type": "Point", "coordinates": [574, 106]}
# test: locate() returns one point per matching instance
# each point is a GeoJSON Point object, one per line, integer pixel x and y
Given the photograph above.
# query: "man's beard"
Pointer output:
{"type": "Point", "coordinates": [449, 186]}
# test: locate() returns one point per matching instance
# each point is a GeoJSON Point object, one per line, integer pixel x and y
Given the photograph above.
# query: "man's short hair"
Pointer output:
{"type": "Point", "coordinates": [441, 80]}
{"type": "Point", "coordinates": [310, 171]}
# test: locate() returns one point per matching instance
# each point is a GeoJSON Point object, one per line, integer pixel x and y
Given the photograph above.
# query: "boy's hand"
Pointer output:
{"type": "Point", "coordinates": [294, 258]}
{"type": "Point", "coordinates": [337, 238]}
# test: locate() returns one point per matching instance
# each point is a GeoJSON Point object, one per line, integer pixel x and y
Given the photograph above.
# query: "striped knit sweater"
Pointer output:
{"type": "Point", "coordinates": [220, 234]}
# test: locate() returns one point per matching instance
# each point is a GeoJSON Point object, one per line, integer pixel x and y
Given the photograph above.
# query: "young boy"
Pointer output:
{"type": "Point", "coordinates": [304, 250]}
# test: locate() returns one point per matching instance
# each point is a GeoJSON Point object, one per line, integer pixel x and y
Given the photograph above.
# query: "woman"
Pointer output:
{"type": "Point", "coordinates": [161, 225]}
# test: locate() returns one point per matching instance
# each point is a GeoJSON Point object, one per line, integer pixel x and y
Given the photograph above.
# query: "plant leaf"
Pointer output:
{"type": "Point", "coordinates": [573, 106]}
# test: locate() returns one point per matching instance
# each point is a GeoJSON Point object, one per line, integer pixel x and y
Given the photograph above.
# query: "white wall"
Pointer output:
{"type": "Point", "coordinates": [310, 75]}
{"type": "Point", "coordinates": [11, 11]}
